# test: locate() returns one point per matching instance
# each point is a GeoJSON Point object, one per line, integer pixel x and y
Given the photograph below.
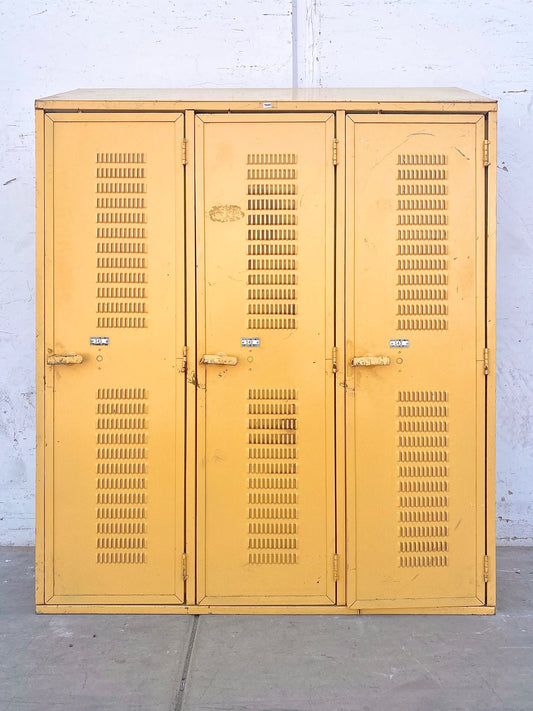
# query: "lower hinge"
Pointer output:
{"type": "Point", "coordinates": [486, 361]}
{"type": "Point", "coordinates": [185, 358]}
{"type": "Point", "coordinates": [184, 151]}
{"type": "Point", "coordinates": [184, 566]}
{"type": "Point", "coordinates": [336, 567]}
{"type": "Point", "coordinates": [486, 569]}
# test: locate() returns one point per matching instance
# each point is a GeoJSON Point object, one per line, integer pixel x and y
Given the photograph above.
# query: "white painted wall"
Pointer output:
{"type": "Point", "coordinates": [48, 46]}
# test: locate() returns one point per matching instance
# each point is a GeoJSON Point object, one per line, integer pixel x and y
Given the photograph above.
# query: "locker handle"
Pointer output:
{"type": "Point", "coordinates": [218, 359]}
{"type": "Point", "coordinates": [371, 360]}
{"type": "Point", "coordinates": [73, 359]}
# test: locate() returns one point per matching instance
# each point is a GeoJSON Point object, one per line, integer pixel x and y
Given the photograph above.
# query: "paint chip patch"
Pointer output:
{"type": "Point", "coordinates": [226, 213]}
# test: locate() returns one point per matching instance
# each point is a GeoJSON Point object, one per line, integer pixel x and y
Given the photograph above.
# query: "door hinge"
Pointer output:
{"type": "Point", "coordinates": [486, 361]}
{"type": "Point", "coordinates": [334, 359]}
{"type": "Point", "coordinates": [335, 142]}
{"type": "Point", "coordinates": [486, 569]}
{"type": "Point", "coordinates": [185, 358]}
{"type": "Point", "coordinates": [184, 566]}
{"type": "Point", "coordinates": [486, 156]}
{"type": "Point", "coordinates": [336, 567]}
{"type": "Point", "coordinates": [184, 151]}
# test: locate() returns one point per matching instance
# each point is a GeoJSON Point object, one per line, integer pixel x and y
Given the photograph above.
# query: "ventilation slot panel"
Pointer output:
{"type": "Point", "coordinates": [272, 239]}
{"type": "Point", "coordinates": [272, 475]}
{"type": "Point", "coordinates": [423, 485]}
{"type": "Point", "coordinates": [120, 207]}
{"type": "Point", "coordinates": [121, 475]}
{"type": "Point", "coordinates": [418, 243]}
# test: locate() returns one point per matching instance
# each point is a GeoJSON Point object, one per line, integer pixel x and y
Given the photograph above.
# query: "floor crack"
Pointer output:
{"type": "Point", "coordinates": [180, 695]}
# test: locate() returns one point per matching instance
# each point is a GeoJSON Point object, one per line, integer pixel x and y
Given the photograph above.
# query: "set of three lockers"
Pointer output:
{"type": "Point", "coordinates": [265, 351]}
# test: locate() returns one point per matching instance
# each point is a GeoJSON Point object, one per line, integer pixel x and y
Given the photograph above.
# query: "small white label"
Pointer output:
{"type": "Point", "coordinates": [399, 343]}
{"type": "Point", "coordinates": [267, 104]}
{"type": "Point", "coordinates": [250, 342]}
{"type": "Point", "coordinates": [99, 340]}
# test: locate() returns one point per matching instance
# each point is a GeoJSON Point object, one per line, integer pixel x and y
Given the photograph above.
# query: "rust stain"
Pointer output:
{"type": "Point", "coordinates": [226, 213]}
{"type": "Point", "coordinates": [193, 380]}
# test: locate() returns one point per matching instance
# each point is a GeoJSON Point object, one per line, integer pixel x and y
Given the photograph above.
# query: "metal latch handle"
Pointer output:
{"type": "Point", "coordinates": [218, 359]}
{"type": "Point", "coordinates": [73, 359]}
{"type": "Point", "coordinates": [371, 360]}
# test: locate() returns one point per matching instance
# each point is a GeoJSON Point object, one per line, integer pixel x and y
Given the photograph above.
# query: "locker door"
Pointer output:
{"type": "Point", "coordinates": [114, 300]}
{"type": "Point", "coordinates": [266, 422]}
{"type": "Point", "coordinates": [415, 320]}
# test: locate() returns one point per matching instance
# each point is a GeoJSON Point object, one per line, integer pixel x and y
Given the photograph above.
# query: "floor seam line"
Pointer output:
{"type": "Point", "coordinates": [180, 697]}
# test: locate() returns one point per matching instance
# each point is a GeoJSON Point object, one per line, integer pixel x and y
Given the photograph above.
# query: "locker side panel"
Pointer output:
{"type": "Point", "coordinates": [491, 171]}
{"type": "Point", "coordinates": [39, 353]}
{"type": "Point", "coordinates": [416, 391]}
{"type": "Point", "coordinates": [114, 293]}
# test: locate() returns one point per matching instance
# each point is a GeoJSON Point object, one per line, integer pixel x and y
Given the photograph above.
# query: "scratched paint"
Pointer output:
{"type": "Point", "coordinates": [225, 213]}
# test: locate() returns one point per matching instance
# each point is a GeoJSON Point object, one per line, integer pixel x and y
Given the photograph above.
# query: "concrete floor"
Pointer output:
{"type": "Point", "coordinates": [266, 663]}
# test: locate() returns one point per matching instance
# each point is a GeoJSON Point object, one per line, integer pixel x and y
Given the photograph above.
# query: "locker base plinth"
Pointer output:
{"type": "Point", "coordinates": [249, 610]}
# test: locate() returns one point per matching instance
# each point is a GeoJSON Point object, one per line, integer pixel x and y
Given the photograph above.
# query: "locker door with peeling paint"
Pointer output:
{"type": "Point", "coordinates": [265, 331]}
{"type": "Point", "coordinates": [415, 386]}
{"type": "Point", "coordinates": [114, 325]}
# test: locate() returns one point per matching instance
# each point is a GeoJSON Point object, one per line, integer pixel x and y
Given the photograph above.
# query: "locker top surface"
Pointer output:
{"type": "Point", "coordinates": [445, 99]}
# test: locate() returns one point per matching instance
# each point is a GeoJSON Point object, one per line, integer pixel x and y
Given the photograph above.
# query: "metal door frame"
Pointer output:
{"type": "Point", "coordinates": [195, 380]}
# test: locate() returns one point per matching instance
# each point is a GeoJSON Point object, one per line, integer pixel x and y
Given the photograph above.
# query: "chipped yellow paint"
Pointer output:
{"type": "Point", "coordinates": [218, 359]}
{"type": "Point", "coordinates": [55, 359]}
{"type": "Point", "coordinates": [370, 360]}
{"type": "Point", "coordinates": [226, 213]}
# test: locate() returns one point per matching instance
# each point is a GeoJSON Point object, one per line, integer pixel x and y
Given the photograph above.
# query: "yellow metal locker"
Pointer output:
{"type": "Point", "coordinates": [114, 397]}
{"type": "Point", "coordinates": [416, 337]}
{"type": "Point", "coordinates": [265, 351]}
{"type": "Point", "coordinates": [266, 503]}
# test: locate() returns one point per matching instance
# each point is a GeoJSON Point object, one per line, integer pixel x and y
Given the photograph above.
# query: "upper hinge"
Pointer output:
{"type": "Point", "coordinates": [336, 567]}
{"type": "Point", "coordinates": [184, 566]}
{"type": "Point", "coordinates": [486, 153]}
{"type": "Point", "coordinates": [334, 359]}
{"type": "Point", "coordinates": [486, 361]}
{"type": "Point", "coordinates": [184, 151]}
{"type": "Point", "coordinates": [486, 569]}
{"type": "Point", "coordinates": [335, 141]}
